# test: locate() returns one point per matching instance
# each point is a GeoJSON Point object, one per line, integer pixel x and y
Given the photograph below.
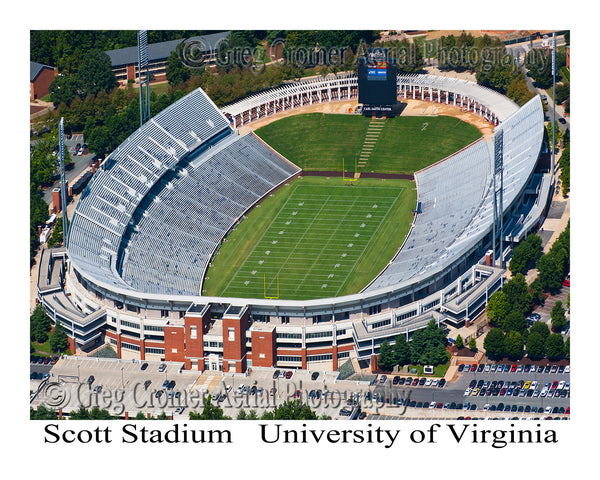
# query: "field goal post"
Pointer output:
{"type": "Point", "coordinates": [353, 178]}
{"type": "Point", "coordinates": [265, 287]}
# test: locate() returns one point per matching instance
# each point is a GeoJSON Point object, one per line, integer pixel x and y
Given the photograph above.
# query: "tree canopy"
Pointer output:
{"type": "Point", "coordinates": [95, 73]}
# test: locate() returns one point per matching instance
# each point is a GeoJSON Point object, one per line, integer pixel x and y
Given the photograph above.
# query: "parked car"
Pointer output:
{"type": "Point", "coordinates": [90, 379]}
{"type": "Point", "coordinates": [162, 367]}
{"type": "Point", "coordinates": [314, 375]}
{"type": "Point", "coordinates": [276, 374]}
{"type": "Point", "coordinates": [289, 374]}
{"type": "Point", "coordinates": [144, 366]}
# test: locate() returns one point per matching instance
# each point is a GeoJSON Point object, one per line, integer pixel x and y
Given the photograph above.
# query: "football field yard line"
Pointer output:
{"type": "Point", "coordinates": [306, 230]}
{"type": "Point", "coordinates": [371, 238]}
{"type": "Point", "coordinates": [339, 223]}
{"type": "Point", "coordinates": [258, 243]}
{"type": "Point", "coordinates": [267, 230]}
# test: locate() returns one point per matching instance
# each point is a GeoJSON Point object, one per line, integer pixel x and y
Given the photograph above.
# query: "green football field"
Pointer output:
{"type": "Point", "coordinates": [317, 141]}
{"type": "Point", "coordinates": [315, 237]}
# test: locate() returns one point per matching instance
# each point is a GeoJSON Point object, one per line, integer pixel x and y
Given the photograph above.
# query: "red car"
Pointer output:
{"type": "Point", "coordinates": [513, 369]}
{"type": "Point", "coordinates": [289, 374]}
{"type": "Point", "coordinates": [415, 382]}
{"type": "Point", "coordinates": [474, 367]}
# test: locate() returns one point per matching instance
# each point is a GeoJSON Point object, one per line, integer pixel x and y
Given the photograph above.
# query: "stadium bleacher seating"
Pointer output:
{"type": "Point", "coordinates": [152, 216]}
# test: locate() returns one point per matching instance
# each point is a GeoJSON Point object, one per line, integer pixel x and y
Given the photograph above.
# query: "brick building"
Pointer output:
{"type": "Point", "coordinates": [40, 78]}
{"type": "Point", "coordinates": [125, 60]}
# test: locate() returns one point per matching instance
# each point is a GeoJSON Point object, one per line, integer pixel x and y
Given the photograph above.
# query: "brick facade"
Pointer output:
{"type": "Point", "coordinates": [234, 340]}
{"type": "Point", "coordinates": [39, 86]}
{"type": "Point", "coordinates": [264, 347]}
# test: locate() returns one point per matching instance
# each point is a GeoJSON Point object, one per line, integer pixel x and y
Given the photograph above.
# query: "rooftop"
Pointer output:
{"type": "Point", "coordinates": [162, 50]}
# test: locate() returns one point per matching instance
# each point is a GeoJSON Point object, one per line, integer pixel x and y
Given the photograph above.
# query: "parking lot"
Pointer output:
{"type": "Point", "coordinates": [127, 387]}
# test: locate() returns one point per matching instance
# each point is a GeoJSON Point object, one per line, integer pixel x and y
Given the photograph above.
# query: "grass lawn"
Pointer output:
{"type": "Point", "coordinates": [315, 237]}
{"type": "Point", "coordinates": [45, 348]}
{"type": "Point", "coordinates": [317, 141]}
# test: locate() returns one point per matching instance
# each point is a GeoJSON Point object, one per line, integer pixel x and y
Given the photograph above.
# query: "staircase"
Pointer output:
{"type": "Point", "coordinates": [371, 138]}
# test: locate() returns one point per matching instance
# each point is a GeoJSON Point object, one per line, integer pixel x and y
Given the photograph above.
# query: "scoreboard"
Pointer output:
{"type": "Point", "coordinates": [377, 82]}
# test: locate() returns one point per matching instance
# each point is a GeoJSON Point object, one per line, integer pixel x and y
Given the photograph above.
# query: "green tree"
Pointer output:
{"type": "Point", "coordinates": [39, 324]}
{"type": "Point", "coordinates": [539, 65]}
{"type": "Point", "coordinates": [386, 359]}
{"type": "Point", "coordinates": [536, 346]}
{"type": "Point", "coordinates": [58, 340]}
{"type": "Point", "coordinates": [57, 234]}
{"type": "Point", "coordinates": [97, 413]}
{"type": "Point", "coordinates": [548, 273]}
{"type": "Point", "coordinates": [540, 328]}
{"type": "Point", "coordinates": [428, 346]}
{"type": "Point", "coordinates": [42, 163]}
{"type": "Point", "coordinates": [64, 89]}
{"type": "Point", "coordinates": [38, 213]}
{"type": "Point", "coordinates": [526, 254]}
{"type": "Point", "coordinates": [401, 351]}
{"type": "Point", "coordinates": [80, 414]}
{"type": "Point", "coordinates": [517, 294]}
{"type": "Point", "coordinates": [567, 348]}
{"type": "Point", "coordinates": [555, 347]}
{"type": "Point", "coordinates": [473, 345]}
{"type": "Point", "coordinates": [514, 345]}
{"type": "Point", "coordinates": [42, 413]}
{"type": "Point", "coordinates": [558, 317]}
{"type": "Point", "coordinates": [519, 91]}
{"type": "Point", "coordinates": [459, 341]}
{"type": "Point", "coordinates": [176, 71]}
{"type": "Point", "coordinates": [210, 412]}
{"type": "Point", "coordinates": [290, 410]}
{"type": "Point", "coordinates": [515, 321]}
{"type": "Point", "coordinates": [494, 344]}
{"type": "Point", "coordinates": [536, 292]}
{"type": "Point", "coordinates": [95, 73]}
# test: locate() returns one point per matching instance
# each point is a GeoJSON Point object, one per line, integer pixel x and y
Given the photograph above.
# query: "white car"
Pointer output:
{"type": "Point", "coordinates": [561, 385]}
{"type": "Point", "coordinates": [435, 382]}
{"type": "Point", "coordinates": [548, 409]}
{"type": "Point", "coordinates": [240, 388]}
{"type": "Point", "coordinates": [468, 392]}
{"type": "Point", "coordinates": [487, 367]}
{"type": "Point", "coordinates": [533, 385]}
{"type": "Point", "coordinates": [544, 392]}
{"type": "Point", "coordinates": [428, 382]}
{"type": "Point", "coordinates": [432, 405]}
{"type": "Point", "coordinates": [568, 369]}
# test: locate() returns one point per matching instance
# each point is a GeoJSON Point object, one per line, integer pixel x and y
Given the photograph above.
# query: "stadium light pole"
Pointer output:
{"type": "Point", "coordinates": [553, 100]}
{"type": "Point", "coordinates": [63, 184]}
{"type": "Point", "coordinates": [145, 85]}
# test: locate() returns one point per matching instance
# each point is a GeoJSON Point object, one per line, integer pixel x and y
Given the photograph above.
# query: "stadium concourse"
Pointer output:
{"type": "Point", "coordinates": [155, 213]}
